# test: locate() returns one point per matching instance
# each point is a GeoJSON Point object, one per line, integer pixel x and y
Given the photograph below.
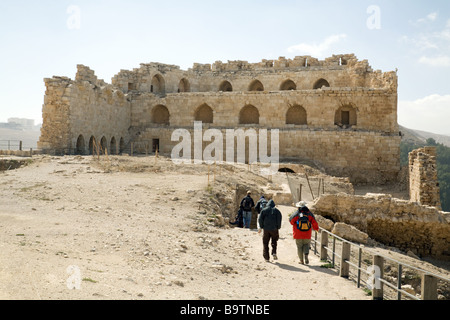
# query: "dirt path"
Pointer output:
{"type": "Point", "coordinates": [65, 223]}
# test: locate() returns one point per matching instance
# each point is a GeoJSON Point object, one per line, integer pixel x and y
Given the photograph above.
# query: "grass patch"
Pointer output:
{"type": "Point", "coordinates": [89, 280]}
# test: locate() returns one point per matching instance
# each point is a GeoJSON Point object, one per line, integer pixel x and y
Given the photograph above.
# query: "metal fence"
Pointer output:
{"type": "Point", "coordinates": [11, 145]}
{"type": "Point", "coordinates": [384, 277]}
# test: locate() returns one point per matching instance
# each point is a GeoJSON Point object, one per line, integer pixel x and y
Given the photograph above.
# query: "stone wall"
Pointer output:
{"type": "Point", "coordinates": [77, 113]}
{"type": "Point", "coordinates": [424, 230]}
{"type": "Point", "coordinates": [338, 111]}
{"type": "Point", "coordinates": [423, 179]}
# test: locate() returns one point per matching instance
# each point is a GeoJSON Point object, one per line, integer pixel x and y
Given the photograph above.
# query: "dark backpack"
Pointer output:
{"type": "Point", "coordinates": [303, 223]}
{"type": "Point", "coordinates": [247, 204]}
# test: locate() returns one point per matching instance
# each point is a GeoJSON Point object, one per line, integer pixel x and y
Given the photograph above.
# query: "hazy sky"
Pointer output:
{"type": "Point", "coordinates": [40, 39]}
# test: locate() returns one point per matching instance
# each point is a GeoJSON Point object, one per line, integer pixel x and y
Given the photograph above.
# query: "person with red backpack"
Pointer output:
{"type": "Point", "coordinates": [303, 222]}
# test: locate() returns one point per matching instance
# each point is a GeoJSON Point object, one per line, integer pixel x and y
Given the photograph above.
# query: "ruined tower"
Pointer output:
{"type": "Point", "coordinates": [423, 179]}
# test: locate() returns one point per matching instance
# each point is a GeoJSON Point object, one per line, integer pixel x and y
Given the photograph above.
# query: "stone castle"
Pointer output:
{"type": "Point", "coordinates": [337, 113]}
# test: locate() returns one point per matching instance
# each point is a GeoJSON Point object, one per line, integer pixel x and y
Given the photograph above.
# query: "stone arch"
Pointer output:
{"type": "Point", "coordinates": [256, 85]}
{"type": "Point", "coordinates": [104, 145]}
{"type": "Point", "coordinates": [184, 85]}
{"type": "Point", "coordinates": [81, 145]}
{"type": "Point", "coordinates": [321, 83]}
{"type": "Point", "coordinates": [296, 115]}
{"type": "Point", "coordinates": [288, 85]}
{"type": "Point", "coordinates": [121, 145]}
{"type": "Point", "coordinates": [158, 84]}
{"type": "Point", "coordinates": [249, 115]}
{"type": "Point", "coordinates": [113, 146]}
{"type": "Point", "coordinates": [204, 113]}
{"type": "Point", "coordinates": [225, 86]}
{"type": "Point", "coordinates": [92, 145]}
{"type": "Point", "coordinates": [345, 116]}
{"type": "Point", "coordinates": [160, 115]}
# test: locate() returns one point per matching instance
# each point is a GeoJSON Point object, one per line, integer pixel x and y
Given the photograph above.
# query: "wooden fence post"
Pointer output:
{"type": "Point", "coordinates": [345, 256]}
{"type": "Point", "coordinates": [323, 245]}
{"type": "Point", "coordinates": [429, 287]}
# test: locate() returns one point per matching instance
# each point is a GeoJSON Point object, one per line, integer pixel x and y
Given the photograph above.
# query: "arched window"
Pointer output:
{"type": "Point", "coordinates": [160, 115]}
{"type": "Point", "coordinates": [81, 146]}
{"type": "Point", "coordinates": [345, 117]}
{"type": "Point", "coordinates": [256, 85]}
{"type": "Point", "coordinates": [225, 86]}
{"type": "Point", "coordinates": [113, 146]}
{"type": "Point", "coordinates": [184, 86]}
{"type": "Point", "coordinates": [321, 83]}
{"type": "Point", "coordinates": [288, 85]}
{"type": "Point", "coordinates": [204, 113]}
{"type": "Point", "coordinates": [296, 115]}
{"type": "Point", "coordinates": [158, 85]}
{"type": "Point", "coordinates": [249, 115]}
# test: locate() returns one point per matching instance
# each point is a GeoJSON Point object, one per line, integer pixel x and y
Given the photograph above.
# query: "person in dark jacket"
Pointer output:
{"type": "Point", "coordinates": [247, 204]}
{"type": "Point", "coordinates": [270, 222]}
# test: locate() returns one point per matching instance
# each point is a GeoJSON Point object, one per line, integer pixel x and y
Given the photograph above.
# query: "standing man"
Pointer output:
{"type": "Point", "coordinates": [246, 205]}
{"type": "Point", "coordinates": [270, 221]}
{"type": "Point", "coordinates": [303, 222]}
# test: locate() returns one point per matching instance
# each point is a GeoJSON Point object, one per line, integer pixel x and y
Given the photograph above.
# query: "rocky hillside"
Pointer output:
{"type": "Point", "coordinates": [417, 136]}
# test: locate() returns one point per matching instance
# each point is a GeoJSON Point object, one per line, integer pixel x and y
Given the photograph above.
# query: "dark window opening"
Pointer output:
{"type": "Point", "coordinates": [345, 118]}
{"type": "Point", "coordinates": [155, 145]}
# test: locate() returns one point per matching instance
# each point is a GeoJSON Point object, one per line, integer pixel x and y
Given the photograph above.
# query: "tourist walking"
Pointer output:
{"type": "Point", "coordinates": [303, 222]}
{"type": "Point", "coordinates": [270, 222]}
{"type": "Point", "coordinates": [260, 205]}
{"type": "Point", "coordinates": [247, 204]}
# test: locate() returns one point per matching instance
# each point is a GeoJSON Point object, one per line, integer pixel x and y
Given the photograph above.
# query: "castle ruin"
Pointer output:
{"type": "Point", "coordinates": [337, 112]}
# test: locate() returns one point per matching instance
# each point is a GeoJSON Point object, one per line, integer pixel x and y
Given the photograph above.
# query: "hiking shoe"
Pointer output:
{"type": "Point", "coordinates": [306, 260]}
{"type": "Point", "coordinates": [275, 257]}
{"type": "Point", "coordinates": [301, 262]}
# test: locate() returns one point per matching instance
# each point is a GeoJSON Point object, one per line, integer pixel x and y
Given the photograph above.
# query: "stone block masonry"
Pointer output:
{"type": "Point", "coordinates": [337, 112]}
{"type": "Point", "coordinates": [423, 179]}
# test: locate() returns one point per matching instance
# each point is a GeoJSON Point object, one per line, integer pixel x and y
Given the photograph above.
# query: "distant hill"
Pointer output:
{"type": "Point", "coordinates": [418, 136]}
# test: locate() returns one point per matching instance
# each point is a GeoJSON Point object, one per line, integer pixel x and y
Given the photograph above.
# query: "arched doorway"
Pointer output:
{"type": "Point", "coordinates": [158, 84]}
{"type": "Point", "coordinates": [81, 146]}
{"type": "Point", "coordinates": [104, 145]}
{"type": "Point", "coordinates": [113, 146]}
{"type": "Point", "coordinates": [92, 145]}
{"type": "Point", "coordinates": [184, 85]}
{"type": "Point", "coordinates": [121, 145]}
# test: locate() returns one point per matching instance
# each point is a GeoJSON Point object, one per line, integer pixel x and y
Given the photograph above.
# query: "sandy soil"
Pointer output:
{"type": "Point", "coordinates": [131, 228]}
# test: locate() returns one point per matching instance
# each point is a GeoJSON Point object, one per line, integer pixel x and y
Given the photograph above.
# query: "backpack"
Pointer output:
{"type": "Point", "coordinates": [303, 223]}
{"type": "Point", "coordinates": [247, 204]}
